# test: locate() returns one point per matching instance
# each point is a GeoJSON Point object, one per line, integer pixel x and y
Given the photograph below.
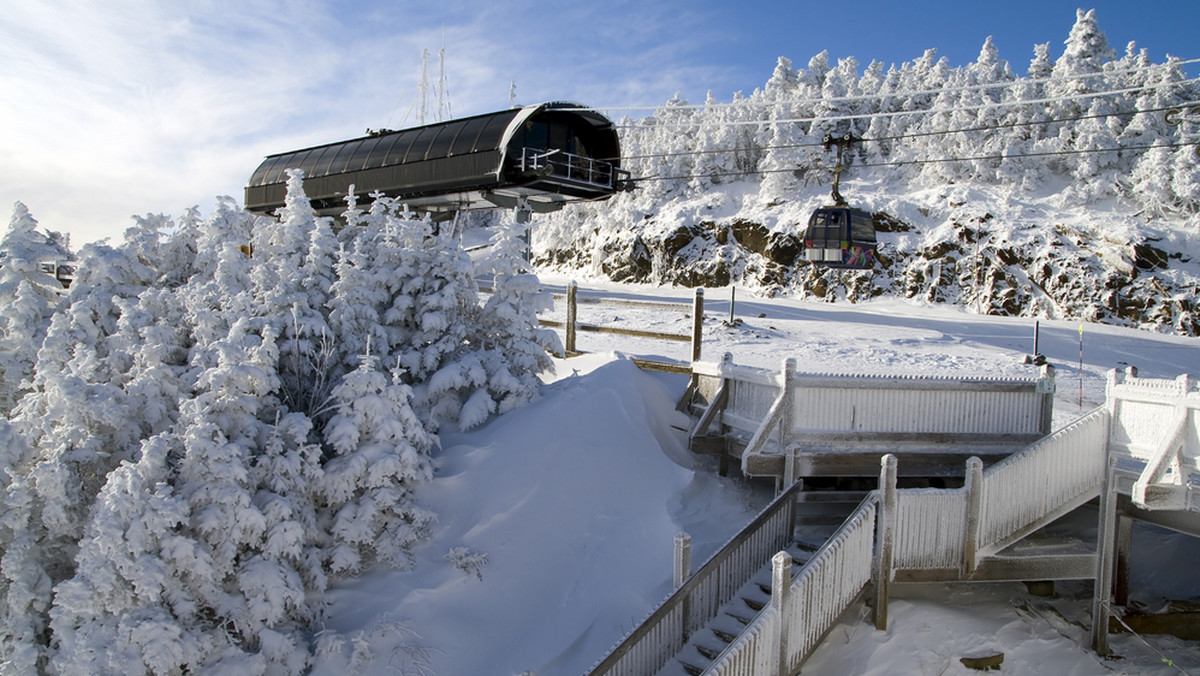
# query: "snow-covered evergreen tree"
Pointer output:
{"type": "Point", "coordinates": [380, 453]}
{"type": "Point", "coordinates": [29, 296]}
{"type": "Point", "coordinates": [512, 347]}
{"type": "Point", "coordinates": [292, 277]}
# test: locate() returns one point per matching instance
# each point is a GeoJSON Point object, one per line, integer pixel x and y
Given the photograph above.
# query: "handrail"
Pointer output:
{"type": "Point", "coordinates": [831, 581]}
{"type": "Point", "coordinates": [845, 556]}
{"type": "Point", "coordinates": [571, 167]}
{"type": "Point", "coordinates": [687, 608]}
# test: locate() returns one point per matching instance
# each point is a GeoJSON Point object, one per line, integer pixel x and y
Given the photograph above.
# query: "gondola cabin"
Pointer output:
{"type": "Point", "coordinates": [537, 157]}
{"type": "Point", "coordinates": [840, 237]}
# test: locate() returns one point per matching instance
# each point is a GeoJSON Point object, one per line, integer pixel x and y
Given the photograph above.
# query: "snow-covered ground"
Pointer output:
{"type": "Point", "coordinates": [574, 501]}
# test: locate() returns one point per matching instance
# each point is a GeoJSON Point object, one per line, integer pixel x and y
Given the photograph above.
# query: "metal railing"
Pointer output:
{"type": "Point", "coordinates": [572, 168]}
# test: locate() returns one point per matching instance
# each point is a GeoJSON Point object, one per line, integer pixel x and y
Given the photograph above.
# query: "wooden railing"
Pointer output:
{"type": "Point", "coordinates": [572, 326]}
{"type": "Point", "coordinates": [925, 533]}
{"type": "Point", "coordinates": [788, 413]}
{"type": "Point", "coordinates": [1154, 437]}
{"type": "Point", "coordinates": [1040, 484]}
{"type": "Point", "coordinates": [805, 607]}
{"type": "Point", "coordinates": [697, 600]}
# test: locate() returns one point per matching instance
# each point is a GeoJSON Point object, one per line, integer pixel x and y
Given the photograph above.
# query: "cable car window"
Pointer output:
{"type": "Point", "coordinates": [862, 227]}
{"type": "Point", "coordinates": [826, 225]}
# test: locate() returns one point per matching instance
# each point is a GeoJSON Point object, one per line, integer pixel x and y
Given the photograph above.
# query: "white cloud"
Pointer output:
{"type": "Point", "coordinates": [113, 109]}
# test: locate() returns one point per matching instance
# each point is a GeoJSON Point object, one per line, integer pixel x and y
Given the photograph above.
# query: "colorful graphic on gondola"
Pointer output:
{"type": "Point", "coordinates": [840, 237]}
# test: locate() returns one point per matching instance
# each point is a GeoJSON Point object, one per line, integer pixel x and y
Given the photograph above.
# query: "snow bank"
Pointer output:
{"type": "Point", "coordinates": [575, 503]}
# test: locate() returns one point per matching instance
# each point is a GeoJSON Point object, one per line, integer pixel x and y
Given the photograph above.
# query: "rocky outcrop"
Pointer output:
{"type": "Point", "coordinates": [1038, 269]}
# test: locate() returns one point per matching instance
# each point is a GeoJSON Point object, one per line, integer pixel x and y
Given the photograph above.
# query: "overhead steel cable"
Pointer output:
{"type": "Point", "coordinates": [897, 113]}
{"type": "Point", "coordinates": [1006, 84]}
{"type": "Point", "coordinates": [897, 163]}
{"type": "Point", "coordinates": [941, 132]}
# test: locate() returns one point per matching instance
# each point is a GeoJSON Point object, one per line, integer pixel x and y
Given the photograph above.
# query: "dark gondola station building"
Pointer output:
{"type": "Point", "coordinates": [537, 157]}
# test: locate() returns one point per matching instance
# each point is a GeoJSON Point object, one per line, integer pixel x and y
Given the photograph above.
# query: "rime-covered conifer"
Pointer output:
{"type": "Point", "coordinates": [381, 452]}
{"type": "Point", "coordinates": [29, 296]}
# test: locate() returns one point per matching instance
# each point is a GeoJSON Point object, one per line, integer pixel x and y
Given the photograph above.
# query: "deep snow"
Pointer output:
{"type": "Point", "coordinates": [575, 499]}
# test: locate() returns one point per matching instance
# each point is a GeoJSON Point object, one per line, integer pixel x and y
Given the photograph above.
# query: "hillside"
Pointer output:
{"type": "Point", "coordinates": [1069, 192]}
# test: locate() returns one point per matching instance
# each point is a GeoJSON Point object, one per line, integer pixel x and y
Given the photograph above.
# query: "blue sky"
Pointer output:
{"type": "Point", "coordinates": [135, 106]}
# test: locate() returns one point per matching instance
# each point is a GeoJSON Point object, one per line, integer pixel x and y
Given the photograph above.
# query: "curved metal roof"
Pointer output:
{"type": "Point", "coordinates": [455, 157]}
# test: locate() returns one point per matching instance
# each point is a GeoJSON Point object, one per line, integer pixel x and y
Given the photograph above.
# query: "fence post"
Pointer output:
{"type": "Point", "coordinates": [683, 568]}
{"type": "Point", "coordinates": [572, 287]}
{"type": "Point", "coordinates": [697, 323]}
{"type": "Point", "coordinates": [781, 582]}
{"type": "Point", "coordinates": [1046, 388]}
{"type": "Point", "coordinates": [683, 558]}
{"type": "Point", "coordinates": [974, 487]}
{"type": "Point", "coordinates": [1103, 587]}
{"type": "Point", "coordinates": [1124, 535]}
{"type": "Point", "coordinates": [785, 421]}
{"type": "Point", "coordinates": [884, 538]}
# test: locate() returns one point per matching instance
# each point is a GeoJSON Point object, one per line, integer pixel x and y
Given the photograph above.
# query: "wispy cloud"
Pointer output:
{"type": "Point", "coordinates": [140, 106]}
{"type": "Point", "coordinates": [110, 109]}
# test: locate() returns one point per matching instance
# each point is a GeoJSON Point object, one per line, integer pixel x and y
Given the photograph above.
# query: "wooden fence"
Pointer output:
{"type": "Point", "coordinates": [909, 535]}
{"type": "Point", "coordinates": [572, 326]}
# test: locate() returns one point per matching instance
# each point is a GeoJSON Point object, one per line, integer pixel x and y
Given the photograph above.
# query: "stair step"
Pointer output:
{"type": "Point", "coordinates": [823, 496]}
{"type": "Point", "coordinates": [724, 635]}
{"type": "Point", "coordinates": [709, 653]}
{"type": "Point", "coordinates": [741, 620]}
{"type": "Point", "coordinates": [691, 669]}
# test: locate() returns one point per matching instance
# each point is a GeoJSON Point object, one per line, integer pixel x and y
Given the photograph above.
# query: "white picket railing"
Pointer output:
{"type": "Point", "coordinates": [788, 412]}
{"type": "Point", "coordinates": [1156, 433]}
{"type": "Point", "coordinates": [755, 651]}
{"type": "Point", "coordinates": [786, 632]}
{"type": "Point", "coordinates": [1047, 480]}
{"type": "Point", "coordinates": [699, 598]}
{"type": "Point", "coordinates": [930, 527]}
{"type": "Point", "coordinates": [828, 584]}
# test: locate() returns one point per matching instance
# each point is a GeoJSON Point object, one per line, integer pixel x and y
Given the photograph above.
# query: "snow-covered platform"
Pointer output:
{"type": "Point", "coordinates": [792, 425]}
